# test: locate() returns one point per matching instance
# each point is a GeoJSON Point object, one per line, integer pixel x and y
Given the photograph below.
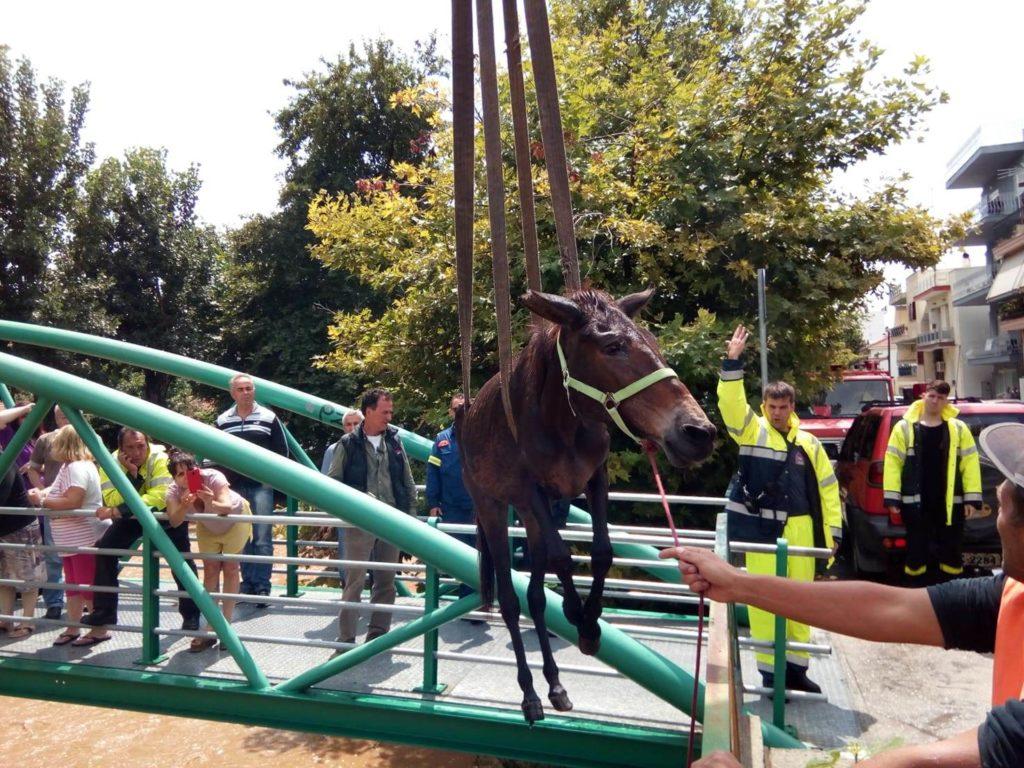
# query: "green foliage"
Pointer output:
{"type": "Point", "coordinates": [702, 138]}
{"type": "Point", "coordinates": [339, 127]}
{"type": "Point", "coordinates": [42, 160]}
{"type": "Point", "coordinates": [139, 267]}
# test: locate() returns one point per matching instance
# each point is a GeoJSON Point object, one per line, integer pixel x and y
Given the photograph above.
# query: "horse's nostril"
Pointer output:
{"type": "Point", "coordinates": [700, 435]}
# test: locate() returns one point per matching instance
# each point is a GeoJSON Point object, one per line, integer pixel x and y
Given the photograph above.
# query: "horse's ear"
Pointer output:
{"type": "Point", "coordinates": [632, 304]}
{"type": "Point", "coordinates": [557, 309]}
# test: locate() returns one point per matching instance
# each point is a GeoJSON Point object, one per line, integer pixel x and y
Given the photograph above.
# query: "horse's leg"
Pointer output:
{"type": "Point", "coordinates": [559, 557]}
{"type": "Point", "coordinates": [600, 560]}
{"type": "Point", "coordinates": [492, 517]}
{"type": "Point", "coordinates": [537, 601]}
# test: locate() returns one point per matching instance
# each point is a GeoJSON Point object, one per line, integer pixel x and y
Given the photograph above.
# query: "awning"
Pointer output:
{"type": "Point", "coordinates": [1008, 279]}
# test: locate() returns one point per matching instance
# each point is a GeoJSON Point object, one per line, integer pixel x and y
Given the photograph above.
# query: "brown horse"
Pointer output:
{"type": "Point", "coordinates": [562, 450]}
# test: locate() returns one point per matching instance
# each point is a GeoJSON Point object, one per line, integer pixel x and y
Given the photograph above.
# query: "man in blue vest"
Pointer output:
{"type": "Point", "coordinates": [447, 496]}
{"type": "Point", "coordinates": [371, 459]}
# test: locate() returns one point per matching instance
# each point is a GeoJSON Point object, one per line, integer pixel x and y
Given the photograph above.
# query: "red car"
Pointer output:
{"type": "Point", "coordinates": [874, 540]}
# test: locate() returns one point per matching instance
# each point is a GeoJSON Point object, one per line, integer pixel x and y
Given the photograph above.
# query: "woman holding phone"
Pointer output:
{"type": "Point", "coordinates": [207, 491]}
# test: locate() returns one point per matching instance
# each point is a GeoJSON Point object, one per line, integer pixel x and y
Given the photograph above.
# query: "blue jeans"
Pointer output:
{"type": "Point", "coordinates": [52, 598]}
{"type": "Point", "coordinates": [256, 576]}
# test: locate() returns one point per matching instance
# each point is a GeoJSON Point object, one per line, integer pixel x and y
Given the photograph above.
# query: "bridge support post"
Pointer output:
{"type": "Point", "coordinates": [779, 694]}
{"type": "Point", "coordinates": [292, 550]}
{"type": "Point", "coordinates": [430, 604]}
{"type": "Point", "coordinates": [150, 606]}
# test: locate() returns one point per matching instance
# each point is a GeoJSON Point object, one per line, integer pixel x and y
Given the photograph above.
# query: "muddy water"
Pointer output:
{"type": "Point", "coordinates": [40, 733]}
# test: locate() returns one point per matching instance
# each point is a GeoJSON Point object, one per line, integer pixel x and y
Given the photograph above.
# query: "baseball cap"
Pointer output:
{"type": "Point", "coordinates": [1004, 446]}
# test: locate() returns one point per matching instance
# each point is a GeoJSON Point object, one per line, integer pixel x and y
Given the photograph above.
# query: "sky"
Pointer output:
{"type": "Point", "coordinates": [203, 79]}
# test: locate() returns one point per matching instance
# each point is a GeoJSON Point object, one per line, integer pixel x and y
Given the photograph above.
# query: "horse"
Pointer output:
{"type": "Point", "coordinates": [570, 381]}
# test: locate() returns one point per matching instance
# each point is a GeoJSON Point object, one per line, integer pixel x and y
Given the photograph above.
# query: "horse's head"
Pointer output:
{"type": "Point", "coordinates": [605, 350]}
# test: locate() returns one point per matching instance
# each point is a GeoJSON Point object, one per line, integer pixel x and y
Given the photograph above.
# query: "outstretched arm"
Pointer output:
{"type": "Point", "coordinates": [960, 751]}
{"type": "Point", "coordinates": [737, 414]}
{"type": "Point", "coordinates": [856, 608]}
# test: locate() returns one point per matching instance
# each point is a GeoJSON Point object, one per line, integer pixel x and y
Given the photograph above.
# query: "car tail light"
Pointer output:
{"type": "Point", "coordinates": [876, 474]}
{"type": "Point", "coordinates": [900, 543]}
{"type": "Point", "coordinates": [896, 519]}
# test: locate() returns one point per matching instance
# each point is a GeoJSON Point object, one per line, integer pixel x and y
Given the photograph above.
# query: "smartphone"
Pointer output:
{"type": "Point", "coordinates": [195, 479]}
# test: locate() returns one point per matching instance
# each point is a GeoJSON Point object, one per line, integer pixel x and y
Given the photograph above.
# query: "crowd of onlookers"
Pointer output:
{"type": "Point", "coordinates": [87, 507]}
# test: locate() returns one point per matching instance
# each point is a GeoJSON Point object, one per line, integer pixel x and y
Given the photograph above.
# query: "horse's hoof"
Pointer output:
{"type": "Point", "coordinates": [590, 645]}
{"type": "Point", "coordinates": [533, 710]}
{"type": "Point", "coordinates": [560, 699]}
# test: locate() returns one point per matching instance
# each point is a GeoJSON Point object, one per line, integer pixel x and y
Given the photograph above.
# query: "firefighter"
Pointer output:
{"type": "Point", "coordinates": [932, 478]}
{"type": "Point", "coordinates": [784, 487]}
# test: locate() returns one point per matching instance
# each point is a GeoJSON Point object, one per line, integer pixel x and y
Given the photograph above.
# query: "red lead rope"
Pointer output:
{"type": "Point", "coordinates": [651, 452]}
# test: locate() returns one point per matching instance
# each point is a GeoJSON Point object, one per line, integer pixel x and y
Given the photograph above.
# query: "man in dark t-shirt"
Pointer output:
{"type": "Point", "coordinates": [984, 615]}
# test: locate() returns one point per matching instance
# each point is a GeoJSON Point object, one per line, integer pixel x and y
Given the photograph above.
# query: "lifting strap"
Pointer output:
{"type": "Point", "coordinates": [462, 128]}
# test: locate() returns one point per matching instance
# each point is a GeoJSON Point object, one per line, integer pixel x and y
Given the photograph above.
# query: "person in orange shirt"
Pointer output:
{"type": "Point", "coordinates": [984, 614]}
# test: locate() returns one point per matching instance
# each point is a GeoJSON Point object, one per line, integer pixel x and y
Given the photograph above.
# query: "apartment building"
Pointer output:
{"type": "Point", "coordinates": [998, 171]}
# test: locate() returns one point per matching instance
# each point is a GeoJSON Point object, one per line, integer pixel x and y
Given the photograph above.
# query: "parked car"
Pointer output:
{"type": "Point", "coordinates": [831, 414]}
{"type": "Point", "coordinates": [875, 541]}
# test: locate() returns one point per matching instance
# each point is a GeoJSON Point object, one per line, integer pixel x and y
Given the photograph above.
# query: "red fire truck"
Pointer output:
{"type": "Point", "coordinates": [832, 413]}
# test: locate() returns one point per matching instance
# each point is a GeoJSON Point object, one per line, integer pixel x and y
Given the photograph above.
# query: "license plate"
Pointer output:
{"type": "Point", "coordinates": [983, 559]}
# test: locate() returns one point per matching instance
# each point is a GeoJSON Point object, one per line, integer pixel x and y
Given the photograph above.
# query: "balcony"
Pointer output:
{"type": "Point", "coordinates": [993, 219]}
{"type": "Point", "coordinates": [972, 291]}
{"type": "Point", "coordinates": [924, 285]}
{"type": "Point", "coordinates": [906, 369]}
{"type": "Point", "coordinates": [933, 339]}
{"type": "Point", "coordinates": [1003, 349]}
{"type": "Point", "coordinates": [897, 295]}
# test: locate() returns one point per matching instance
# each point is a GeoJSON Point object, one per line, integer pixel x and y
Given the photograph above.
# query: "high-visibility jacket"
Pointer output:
{"type": "Point", "coordinates": [152, 482]}
{"type": "Point", "coordinates": [763, 450]}
{"type": "Point", "coordinates": [902, 478]}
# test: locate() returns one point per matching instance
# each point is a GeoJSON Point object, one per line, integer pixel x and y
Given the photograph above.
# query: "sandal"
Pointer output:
{"type": "Point", "coordinates": [85, 642]}
{"type": "Point", "coordinates": [200, 644]}
{"type": "Point", "coordinates": [22, 630]}
{"type": "Point", "coordinates": [65, 637]}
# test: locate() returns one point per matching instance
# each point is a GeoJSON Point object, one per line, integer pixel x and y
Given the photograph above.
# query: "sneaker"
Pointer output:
{"type": "Point", "coordinates": [190, 623]}
{"type": "Point", "coordinates": [53, 612]}
{"type": "Point", "coordinates": [262, 593]}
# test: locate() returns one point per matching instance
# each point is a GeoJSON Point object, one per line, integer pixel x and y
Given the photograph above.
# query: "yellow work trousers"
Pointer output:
{"type": "Point", "coordinates": [799, 533]}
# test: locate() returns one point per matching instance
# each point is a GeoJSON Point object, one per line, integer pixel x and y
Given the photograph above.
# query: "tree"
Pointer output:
{"type": "Point", "coordinates": [139, 266]}
{"type": "Point", "coordinates": [42, 161]}
{"type": "Point", "coordinates": [339, 127]}
{"type": "Point", "coordinates": [703, 136]}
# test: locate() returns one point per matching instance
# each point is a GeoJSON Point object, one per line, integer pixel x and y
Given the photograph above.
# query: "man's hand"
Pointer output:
{"type": "Point", "coordinates": [720, 759]}
{"type": "Point", "coordinates": [970, 511]}
{"type": "Point", "coordinates": [108, 513]}
{"type": "Point", "coordinates": [434, 512]}
{"type": "Point", "coordinates": [892, 509]}
{"type": "Point", "coordinates": [35, 498]}
{"type": "Point", "coordinates": [735, 346]}
{"type": "Point", "coordinates": [704, 571]}
{"type": "Point", "coordinates": [131, 469]}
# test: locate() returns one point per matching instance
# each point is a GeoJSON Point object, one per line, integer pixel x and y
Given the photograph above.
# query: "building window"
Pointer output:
{"type": "Point", "coordinates": [912, 310]}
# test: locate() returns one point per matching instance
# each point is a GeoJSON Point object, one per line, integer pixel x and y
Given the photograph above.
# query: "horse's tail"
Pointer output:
{"type": "Point", "coordinates": [486, 569]}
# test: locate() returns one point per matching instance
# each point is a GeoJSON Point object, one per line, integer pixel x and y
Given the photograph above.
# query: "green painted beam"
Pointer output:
{"type": "Point", "coordinates": [435, 724]}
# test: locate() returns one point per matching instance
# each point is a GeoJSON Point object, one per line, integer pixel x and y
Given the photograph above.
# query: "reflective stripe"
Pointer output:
{"type": "Point", "coordinates": [159, 481]}
{"type": "Point", "coordinates": [731, 375]}
{"type": "Point", "coordinates": [763, 453]}
{"type": "Point", "coordinates": [736, 432]}
{"type": "Point", "coordinates": [435, 460]}
{"type": "Point", "coordinates": [797, 658]}
{"type": "Point", "coordinates": [968, 451]}
{"type": "Point", "coordinates": [106, 486]}
{"type": "Point", "coordinates": [914, 571]}
{"type": "Point", "coordinates": [950, 569]}
{"type": "Point", "coordinates": [749, 418]}
{"type": "Point", "coordinates": [896, 452]}
{"type": "Point", "coordinates": [762, 437]}
{"type": "Point", "coordinates": [767, 514]}
{"type": "Point", "coordinates": [892, 496]}
{"type": "Point", "coordinates": [969, 497]}
{"type": "Point", "coordinates": [915, 499]}
{"type": "Point", "coordinates": [957, 499]}
{"type": "Point", "coordinates": [827, 481]}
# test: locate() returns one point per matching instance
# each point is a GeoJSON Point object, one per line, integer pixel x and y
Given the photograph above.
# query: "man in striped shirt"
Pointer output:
{"type": "Point", "coordinates": [260, 426]}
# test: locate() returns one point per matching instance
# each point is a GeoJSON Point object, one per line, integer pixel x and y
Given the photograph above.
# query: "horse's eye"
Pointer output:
{"type": "Point", "coordinates": [614, 348]}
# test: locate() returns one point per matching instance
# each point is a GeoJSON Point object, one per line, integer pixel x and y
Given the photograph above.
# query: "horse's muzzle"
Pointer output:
{"type": "Point", "coordinates": [689, 444]}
